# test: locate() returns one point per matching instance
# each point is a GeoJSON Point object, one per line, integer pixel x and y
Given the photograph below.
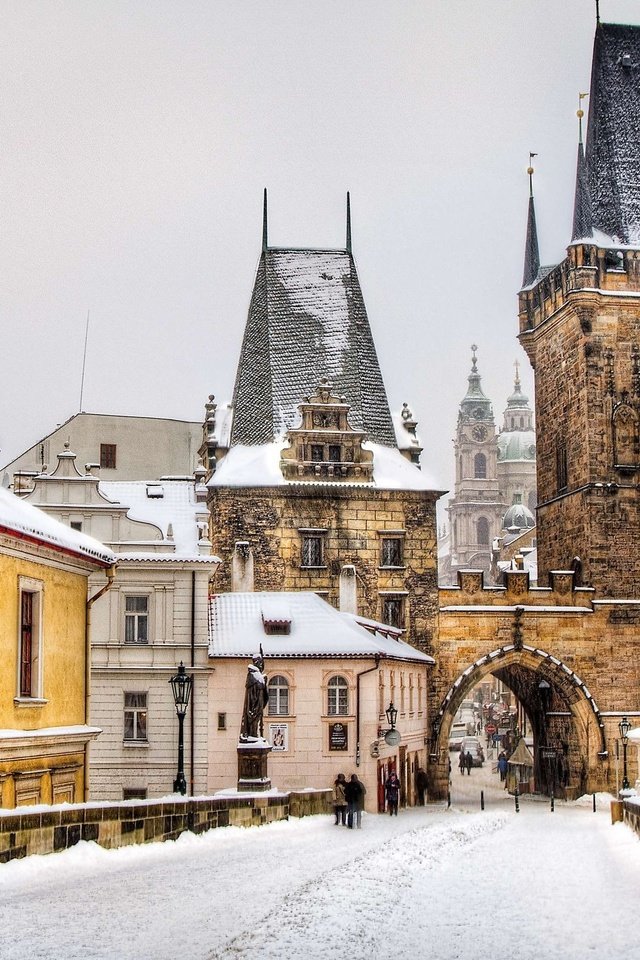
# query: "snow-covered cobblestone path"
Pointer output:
{"type": "Point", "coordinates": [450, 885]}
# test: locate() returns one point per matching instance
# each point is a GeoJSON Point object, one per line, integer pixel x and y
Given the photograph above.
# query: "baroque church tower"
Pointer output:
{"type": "Point", "coordinates": [476, 509]}
{"type": "Point", "coordinates": [311, 487]}
{"type": "Point", "coordinates": [580, 326]}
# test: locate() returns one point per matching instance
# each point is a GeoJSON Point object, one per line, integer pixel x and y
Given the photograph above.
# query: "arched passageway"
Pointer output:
{"type": "Point", "coordinates": [565, 722]}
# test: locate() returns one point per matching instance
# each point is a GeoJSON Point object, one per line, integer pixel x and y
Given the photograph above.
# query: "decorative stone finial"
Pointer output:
{"type": "Point", "coordinates": [474, 359]}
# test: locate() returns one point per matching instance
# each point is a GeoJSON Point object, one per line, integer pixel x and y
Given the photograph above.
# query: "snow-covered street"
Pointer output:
{"type": "Point", "coordinates": [449, 884]}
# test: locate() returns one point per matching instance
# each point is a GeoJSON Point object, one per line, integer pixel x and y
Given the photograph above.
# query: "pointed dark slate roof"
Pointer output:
{"type": "Point", "coordinates": [531, 252]}
{"type": "Point", "coordinates": [582, 216]}
{"type": "Point", "coordinates": [613, 141]}
{"type": "Point", "coordinates": [307, 321]}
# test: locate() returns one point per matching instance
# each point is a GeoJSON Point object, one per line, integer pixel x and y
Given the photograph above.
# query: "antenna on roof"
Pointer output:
{"type": "Point", "coordinates": [348, 223]}
{"type": "Point", "coordinates": [264, 221]}
{"type": "Point", "coordinates": [84, 361]}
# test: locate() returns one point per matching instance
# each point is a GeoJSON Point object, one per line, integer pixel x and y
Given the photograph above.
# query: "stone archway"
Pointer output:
{"type": "Point", "coordinates": [567, 725]}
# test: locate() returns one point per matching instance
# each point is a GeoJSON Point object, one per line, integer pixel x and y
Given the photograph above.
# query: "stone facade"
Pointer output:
{"type": "Point", "coordinates": [351, 521]}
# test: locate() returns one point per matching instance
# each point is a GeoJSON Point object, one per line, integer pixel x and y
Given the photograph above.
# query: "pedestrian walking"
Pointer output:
{"type": "Point", "coordinates": [340, 800]}
{"type": "Point", "coordinates": [462, 762]}
{"type": "Point", "coordinates": [503, 766]}
{"type": "Point", "coordinates": [353, 792]}
{"type": "Point", "coordinates": [421, 785]}
{"type": "Point", "coordinates": [392, 791]}
{"type": "Point", "coordinates": [468, 762]}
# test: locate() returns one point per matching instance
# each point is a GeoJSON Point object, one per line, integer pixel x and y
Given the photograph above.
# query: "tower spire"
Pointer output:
{"type": "Point", "coordinates": [531, 252]}
{"type": "Point", "coordinates": [348, 223]}
{"type": "Point", "coordinates": [264, 221]}
{"type": "Point", "coordinates": [582, 213]}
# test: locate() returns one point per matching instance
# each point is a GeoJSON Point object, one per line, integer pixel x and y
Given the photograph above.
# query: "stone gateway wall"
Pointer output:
{"type": "Point", "coordinates": [116, 825]}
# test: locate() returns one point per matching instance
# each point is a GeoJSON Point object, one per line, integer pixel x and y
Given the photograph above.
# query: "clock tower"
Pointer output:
{"type": "Point", "coordinates": [476, 509]}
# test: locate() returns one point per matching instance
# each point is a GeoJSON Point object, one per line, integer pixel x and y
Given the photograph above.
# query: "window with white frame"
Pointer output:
{"type": "Point", "coordinates": [337, 696]}
{"type": "Point", "coordinates": [278, 687]}
{"type": "Point", "coordinates": [136, 619]}
{"type": "Point", "coordinates": [135, 716]}
{"type": "Point", "coordinates": [30, 639]}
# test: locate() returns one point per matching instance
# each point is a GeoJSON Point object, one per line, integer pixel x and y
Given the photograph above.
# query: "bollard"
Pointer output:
{"type": "Point", "coordinates": [516, 797]}
{"type": "Point", "coordinates": [552, 803]}
{"type": "Point", "coordinates": [482, 799]}
{"type": "Point", "coordinates": [594, 803]}
{"type": "Point", "coordinates": [448, 799]}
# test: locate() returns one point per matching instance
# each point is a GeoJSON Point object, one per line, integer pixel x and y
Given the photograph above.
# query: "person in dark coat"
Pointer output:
{"type": "Point", "coordinates": [468, 762]}
{"type": "Point", "coordinates": [392, 791]}
{"type": "Point", "coordinates": [503, 766]}
{"type": "Point", "coordinates": [353, 792]}
{"type": "Point", "coordinates": [340, 800]}
{"type": "Point", "coordinates": [462, 762]}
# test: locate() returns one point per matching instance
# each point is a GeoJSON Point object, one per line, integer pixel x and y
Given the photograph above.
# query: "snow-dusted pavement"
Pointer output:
{"type": "Point", "coordinates": [448, 885]}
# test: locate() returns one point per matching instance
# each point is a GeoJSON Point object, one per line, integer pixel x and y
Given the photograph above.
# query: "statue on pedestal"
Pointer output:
{"type": "Point", "coordinates": [256, 697]}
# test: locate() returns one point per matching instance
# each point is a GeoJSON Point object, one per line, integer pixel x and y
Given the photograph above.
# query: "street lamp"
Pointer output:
{"type": "Point", "coordinates": [392, 716]}
{"type": "Point", "coordinates": [181, 685]}
{"type": "Point", "coordinates": [624, 726]}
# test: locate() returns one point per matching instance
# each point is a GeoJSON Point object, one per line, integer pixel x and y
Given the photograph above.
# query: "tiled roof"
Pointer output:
{"type": "Point", "coordinates": [307, 321]}
{"type": "Point", "coordinates": [236, 629]}
{"type": "Point", "coordinates": [613, 140]}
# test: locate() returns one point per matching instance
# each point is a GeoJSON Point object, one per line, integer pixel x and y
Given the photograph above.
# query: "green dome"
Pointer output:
{"type": "Point", "coordinates": [516, 445]}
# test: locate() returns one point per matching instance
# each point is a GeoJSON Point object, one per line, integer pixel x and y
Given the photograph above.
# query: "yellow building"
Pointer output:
{"type": "Point", "coordinates": [44, 646]}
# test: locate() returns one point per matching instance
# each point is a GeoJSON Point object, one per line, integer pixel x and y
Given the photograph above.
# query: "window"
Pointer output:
{"type": "Point", "coordinates": [480, 466]}
{"type": "Point", "coordinates": [483, 530]}
{"type": "Point", "coordinates": [76, 525]}
{"type": "Point", "coordinates": [337, 696]}
{"type": "Point", "coordinates": [30, 639]}
{"type": "Point", "coordinates": [393, 611]}
{"type": "Point", "coordinates": [561, 466]}
{"type": "Point", "coordinates": [335, 453]}
{"type": "Point", "coordinates": [134, 793]}
{"type": "Point", "coordinates": [391, 551]}
{"type": "Point", "coordinates": [278, 696]}
{"type": "Point", "coordinates": [108, 456]}
{"type": "Point", "coordinates": [317, 451]}
{"type": "Point", "coordinates": [222, 721]}
{"type": "Point", "coordinates": [136, 619]}
{"type": "Point", "coordinates": [312, 549]}
{"type": "Point", "coordinates": [135, 716]}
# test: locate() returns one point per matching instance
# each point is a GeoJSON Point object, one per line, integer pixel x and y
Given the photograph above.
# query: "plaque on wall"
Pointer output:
{"type": "Point", "coordinates": [338, 739]}
{"type": "Point", "coordinates": [279, 736]}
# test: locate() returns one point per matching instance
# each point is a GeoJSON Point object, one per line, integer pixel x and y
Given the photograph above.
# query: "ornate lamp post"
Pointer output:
{"type": "Point", "coordinates": [624, 726]}
{"type": "Point", "coordinates": [181, 685]}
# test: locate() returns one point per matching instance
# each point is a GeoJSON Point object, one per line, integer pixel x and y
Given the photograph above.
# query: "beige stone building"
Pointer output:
{"type": "Point", "coordinates": [330, 677]}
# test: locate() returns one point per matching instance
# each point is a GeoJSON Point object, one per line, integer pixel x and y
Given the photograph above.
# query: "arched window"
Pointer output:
{"type": "Point", "coordinates": [483, 530]}
{"type": "Point", "coordinates": [480, 466]}
{"type": "Point", "coordinates": [337, 696]}
{"type": "Point", "coordinates": [278, 696]}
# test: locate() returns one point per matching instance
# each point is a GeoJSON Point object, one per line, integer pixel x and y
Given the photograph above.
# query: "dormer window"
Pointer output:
{"type": "Point", "coordinates": [276, 618]}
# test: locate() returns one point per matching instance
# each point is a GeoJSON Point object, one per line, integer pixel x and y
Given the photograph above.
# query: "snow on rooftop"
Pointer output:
{"type": "Point", "coordinates": [236, 629]}
{"type": "Point", "coordinates": [170, 504]}
{"type": "Point", "coordinates": [23, 518]}
{"type": "Point", "coordinates": [259, 466]}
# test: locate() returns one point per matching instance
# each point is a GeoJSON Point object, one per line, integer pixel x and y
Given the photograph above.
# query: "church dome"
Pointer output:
{"type": "Point", "coordinates": [518, 516]}
{"type": "Point", "coordinates": [516, 445]}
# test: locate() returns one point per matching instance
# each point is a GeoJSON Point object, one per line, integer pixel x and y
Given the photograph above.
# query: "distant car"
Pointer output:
{"type": "Point", "coordinates": [473, 746]}
{"type": "Point", "coordinates": [457, 735]}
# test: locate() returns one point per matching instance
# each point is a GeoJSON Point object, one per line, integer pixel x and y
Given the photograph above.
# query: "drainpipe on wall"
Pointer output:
{"type": "Point", "coordinates": [111, 575]}
{"type": "Point", "coordinates": [192, 729]}
{"type": "Point", "coordinates": [370, 670]}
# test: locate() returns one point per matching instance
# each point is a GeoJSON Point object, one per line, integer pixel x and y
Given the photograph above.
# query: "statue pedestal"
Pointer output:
{"type": "Point", "coordinates": [252, 766]}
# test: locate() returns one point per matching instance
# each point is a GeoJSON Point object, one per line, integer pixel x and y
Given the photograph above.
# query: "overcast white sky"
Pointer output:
{"type": "Point", "coordinates": [136, 139]}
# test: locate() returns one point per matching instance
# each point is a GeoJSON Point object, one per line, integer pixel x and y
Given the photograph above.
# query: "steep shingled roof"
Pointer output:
{"type": "Point", "coordinates": [613, 141]}
{"type": "Point", "coordinates": [307, 321]}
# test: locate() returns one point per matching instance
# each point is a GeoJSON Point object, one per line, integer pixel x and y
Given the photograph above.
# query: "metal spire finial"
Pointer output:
{"type": "Point", "coordinates": [474, 359]}
{"type": "Point", "coordinates": [348, 222]}
{"type": "Point", "coordinates": [530, 171]}
{"type": "Point", "coordinates": [264, 221]}
{"type": "Point", "coordinates": [517, 379]}
{"type": "Point", "coordinates": [597, 11]}
{"type": "Point", "coordinates": [580, 113]}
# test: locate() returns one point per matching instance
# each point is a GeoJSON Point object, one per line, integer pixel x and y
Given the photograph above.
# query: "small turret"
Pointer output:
{"type": "Point", "coordinates": [582, 212]}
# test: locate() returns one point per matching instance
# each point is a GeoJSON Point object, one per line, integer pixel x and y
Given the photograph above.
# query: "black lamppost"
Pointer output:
{"type": "Point", "coordinates": [181, 685]}
{"type": "Point", "coordinates": [392, 716]}
{"type": "Point", "coordinates": [624, 726]}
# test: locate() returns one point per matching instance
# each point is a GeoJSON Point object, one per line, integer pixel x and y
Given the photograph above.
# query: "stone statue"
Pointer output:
{"type": "Point", "coordinates": [256, 697]}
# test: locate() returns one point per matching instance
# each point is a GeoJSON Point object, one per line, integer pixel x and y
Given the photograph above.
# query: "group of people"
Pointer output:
{"type": "Point", "coordinates": [465, 762]}
{"type": "Point", "coordinates": [348, 798]}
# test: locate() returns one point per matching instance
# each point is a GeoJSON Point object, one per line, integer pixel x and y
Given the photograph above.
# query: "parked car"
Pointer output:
{"type": "Point", "coordinates": [457, 734]}
{"type": "Point", "coordinates": [473, 746]}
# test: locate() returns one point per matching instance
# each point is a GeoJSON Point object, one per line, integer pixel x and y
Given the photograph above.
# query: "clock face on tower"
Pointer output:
{"type": "Point", "coordinates": [479, 432]}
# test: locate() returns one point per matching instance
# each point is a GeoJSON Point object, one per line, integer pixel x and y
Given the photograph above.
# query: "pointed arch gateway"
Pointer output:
{"type": "Point", "coordinates": [559, 706]}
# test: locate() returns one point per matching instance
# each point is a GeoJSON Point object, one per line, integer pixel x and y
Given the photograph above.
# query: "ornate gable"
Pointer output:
{"type": "Point", "coordinates": [325, 446]}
